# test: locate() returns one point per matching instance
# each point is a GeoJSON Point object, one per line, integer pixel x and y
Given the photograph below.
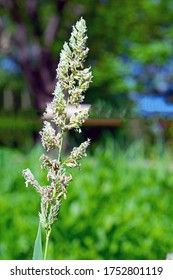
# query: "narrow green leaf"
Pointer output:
{"type": "Point", "coordinates": [38, 253]}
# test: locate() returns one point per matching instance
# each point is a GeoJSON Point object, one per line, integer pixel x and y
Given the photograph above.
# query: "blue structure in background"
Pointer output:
{"type": "Point", "coordinates": [9, 65]}
{"type": "Point", "coordinates": [156, 83]}
{"type": "Point", "coordinates": [153, 105]}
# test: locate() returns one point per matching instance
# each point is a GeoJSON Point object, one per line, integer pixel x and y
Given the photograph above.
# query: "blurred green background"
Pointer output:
{"type": "Point", "coordinates": [119, 205]}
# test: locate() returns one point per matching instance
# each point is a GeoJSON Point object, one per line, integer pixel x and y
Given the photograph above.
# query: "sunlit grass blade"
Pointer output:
{"type": "Point", "coordinates": [38, 253]}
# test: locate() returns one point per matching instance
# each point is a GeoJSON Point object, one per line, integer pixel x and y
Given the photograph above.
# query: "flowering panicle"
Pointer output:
{"type": "Point", "coordinates": [73, 81]}
{"type": "Point", "coordinates": [77, 119]}
{"type": "Point", "coordinates": [77, 154]}
{"type": "Point", "coordinates": [71, 73]}
{"type": "Point", "coordinates": [49, 139]}
{"type": "Point", "coordinates": [29, 179]}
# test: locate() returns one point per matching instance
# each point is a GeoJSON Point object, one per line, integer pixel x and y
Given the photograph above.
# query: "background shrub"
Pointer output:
{"type": "Point", "coordinates": [118, 207]}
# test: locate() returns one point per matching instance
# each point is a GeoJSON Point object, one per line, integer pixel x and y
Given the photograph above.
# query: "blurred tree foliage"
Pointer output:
{"type": "Point", "coordinates": [33, 31]}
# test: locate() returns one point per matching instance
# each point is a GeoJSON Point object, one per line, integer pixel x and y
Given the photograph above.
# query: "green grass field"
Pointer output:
{"type": "Point", "coordinates": [119, 206]}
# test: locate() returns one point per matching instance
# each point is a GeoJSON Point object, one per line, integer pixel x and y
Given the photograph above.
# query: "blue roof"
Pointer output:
{"type": "Point", "coordinates": [150, 105]}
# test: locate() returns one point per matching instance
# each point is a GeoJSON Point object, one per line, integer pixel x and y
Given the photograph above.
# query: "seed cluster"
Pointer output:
{"type": "Point", "coordinates": [73, 81]}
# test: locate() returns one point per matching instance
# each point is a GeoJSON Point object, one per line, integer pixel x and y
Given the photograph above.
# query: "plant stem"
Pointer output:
{"type": "Point", "coordinates": [60, 149]}
{"type": "Point", "coordinates": [48, 232]}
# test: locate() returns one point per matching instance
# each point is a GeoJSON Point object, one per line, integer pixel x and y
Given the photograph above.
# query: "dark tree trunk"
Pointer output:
{"type": "Point", "coordinates": [34, 56]}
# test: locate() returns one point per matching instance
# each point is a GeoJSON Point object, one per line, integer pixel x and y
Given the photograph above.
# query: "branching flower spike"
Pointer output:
{"type": "Point", "coordinates": [73, 80]}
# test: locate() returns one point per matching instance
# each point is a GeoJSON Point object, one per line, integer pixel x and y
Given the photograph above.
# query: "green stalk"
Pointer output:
{"type": "Point", "coordinates": [48, 232]}
{"type": "Point", "coordinates": [60, 149]}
